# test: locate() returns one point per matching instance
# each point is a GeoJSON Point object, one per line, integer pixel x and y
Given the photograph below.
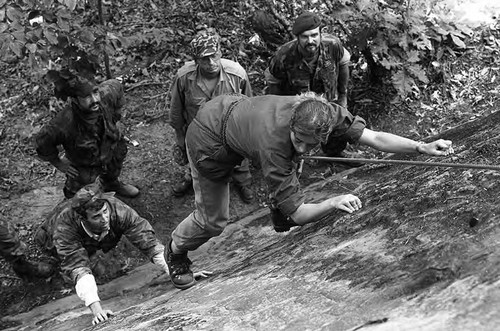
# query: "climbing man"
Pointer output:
{"type": "Point", "coordinates": [272, 131]}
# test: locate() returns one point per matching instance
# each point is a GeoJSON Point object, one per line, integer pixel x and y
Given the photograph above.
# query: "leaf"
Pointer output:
{"type": "Point", "coordinates": [63, 24]}
{"type": "Point", "coordinates": [19, 35]}
{"type": "Point", "coordinates": [413, 56]}
{"type": "Point", "coordinates": [417, 71]}
{"type": "Point", "coordinates": [13, 14]}
{"type": "Point", "coordinates": [87, 36]}
{"type": "Point", "coordinates": [50, 36]}
{"type": "Point", "coordinates": [457, 41]}
{"type": "Point", "coordinates": [71, 4]}
{"type": "Point", "coordinates": [402, 82]}
{"type": "Point", "coordinates": [17, 48]}
{"type": "Point", "coordinates": [2, 3]}
{"type": "Point", "coordinates": [31, 48]}
{"type": "Point", "coordinates": [3, 27]}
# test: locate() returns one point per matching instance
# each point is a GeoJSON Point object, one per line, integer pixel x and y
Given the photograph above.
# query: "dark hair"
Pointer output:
{"type": "Point", "coordinates": [312, 115]}
{"type": "Point", "coordinates": [90, 205]}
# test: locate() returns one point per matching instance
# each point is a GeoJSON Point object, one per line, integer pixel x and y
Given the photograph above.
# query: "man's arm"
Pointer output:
{"type": "Point", "coordinates": [86, 289]}
{"type": "Point", "coordinates": [311, 212]}
{"type": "Point", "coordinates": [391, 143]}
{"type": "Point", "coordinates": [177, 118]}
{"type": "Point", "coordinates": [343, 79]}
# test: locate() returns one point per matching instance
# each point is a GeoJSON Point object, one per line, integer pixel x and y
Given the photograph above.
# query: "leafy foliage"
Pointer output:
{"type": "Point", "coordinates": [54, 33]}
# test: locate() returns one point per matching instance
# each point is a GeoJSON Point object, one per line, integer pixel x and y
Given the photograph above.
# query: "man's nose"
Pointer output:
{"type": "Point", "coordinates": [95, 98]}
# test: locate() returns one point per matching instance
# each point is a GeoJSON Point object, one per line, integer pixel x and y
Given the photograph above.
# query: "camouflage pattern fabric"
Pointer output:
{"type": "Point", "coordinates": [294, 76]}
{"type": "Point", "coordinates": [93, 149]}
{"type": "Point", "coordinates": [205, 44]}
{"type": "Point", "coordinates": [63, 233]}
{"type": "Point", "coordinates": [10, 246]}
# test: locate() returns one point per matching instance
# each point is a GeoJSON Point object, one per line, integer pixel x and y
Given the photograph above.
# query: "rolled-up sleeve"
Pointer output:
{"type": "Point", "coordinates": [283, 183]}
{"type": "Point", "coordinates": [138, 231]}
{"type": "Point", "coordinates": [348, 126]}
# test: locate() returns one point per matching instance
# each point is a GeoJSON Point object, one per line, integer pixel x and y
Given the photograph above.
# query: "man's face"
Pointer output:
{"type": "Point", "coordinates": [303, 143]}
{"type": "Point", "coordinates": [210, 65]}
{"type": "Point", "coordinates": [91, 102]}
{"type": "Point", "coordinates": [309, 41]}
{"type": "Point", "coordinates": [101, 218]}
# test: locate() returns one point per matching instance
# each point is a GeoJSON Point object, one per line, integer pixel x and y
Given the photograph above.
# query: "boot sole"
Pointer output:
{"type": "Point", "coordinates": [184, 286]}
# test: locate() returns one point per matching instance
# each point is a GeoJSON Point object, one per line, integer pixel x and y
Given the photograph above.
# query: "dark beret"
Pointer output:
{"type": "Point", "coordinates": [305, 22]}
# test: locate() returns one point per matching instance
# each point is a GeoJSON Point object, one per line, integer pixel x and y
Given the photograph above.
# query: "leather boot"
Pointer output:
{"type": "Point", "coordinates": [246, 193]}
{"type": "Point", "coordinates": [182, 187]}
{"type": "Point", "coordinates": [122, 189]}
{"type": "Point", "coordinates": [178, 266]}
{"type": "Point", "coordinates": [29, 270]}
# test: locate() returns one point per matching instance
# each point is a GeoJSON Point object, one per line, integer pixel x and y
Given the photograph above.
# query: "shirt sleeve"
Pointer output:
{"type": "Point", "coordinates": [138, 230]}
{"type": "Point", "coordinates": [49, 137]}
{"type": "Point", "coordinates": [74, 258]}
{"type": "Point", "coordinates": [177, 105]}
{"type": "Point", "coordinates": [282, 181]}
{"type": "Point", "coordinates": [348, 126]}
{"type": "Point", "coordinates": [246, 87]}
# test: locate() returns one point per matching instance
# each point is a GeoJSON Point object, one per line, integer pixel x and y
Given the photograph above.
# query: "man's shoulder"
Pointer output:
{"type": "Point", "coordinates": [233, 68]}
{"type": "Point", "coordinates": [286, 48]}
{"type": "Point", "coordinates": [188, 67]}
{"type": "Point", "coordinates": [329, 40]}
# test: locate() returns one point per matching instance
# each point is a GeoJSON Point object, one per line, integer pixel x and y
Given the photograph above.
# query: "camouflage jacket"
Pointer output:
{"type": "Point", "coordinates": [188, 94]}
{"type": "Point", "coordinates": [85, 145]}
{"type": "Point", "coordinates": [293, 75]}
{"type": "Point", "coordinates": [74, 246]}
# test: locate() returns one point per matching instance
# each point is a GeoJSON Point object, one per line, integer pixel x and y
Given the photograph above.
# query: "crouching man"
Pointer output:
{"type": "Point", "coordinates": [89, 222]}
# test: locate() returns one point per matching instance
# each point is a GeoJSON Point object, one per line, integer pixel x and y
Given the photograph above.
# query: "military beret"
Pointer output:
{"type": "Point", "coordinates": [205, 44]}
{"type": "Point", "coordinates": [305, 22]}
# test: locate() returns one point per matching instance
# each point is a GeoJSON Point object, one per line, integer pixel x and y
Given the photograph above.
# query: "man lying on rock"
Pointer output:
{"type": "Point", "coordinates": [92, 221]}
{"type": "Point", "coordinates": [272, 131]}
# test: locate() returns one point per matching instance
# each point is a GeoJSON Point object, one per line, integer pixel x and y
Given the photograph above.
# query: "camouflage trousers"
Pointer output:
{"type": "Point", "coordinates": [11, 247]}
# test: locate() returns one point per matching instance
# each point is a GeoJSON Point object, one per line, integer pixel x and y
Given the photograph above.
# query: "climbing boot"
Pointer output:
{"type": "Point", "coordinates": [246, 193]}
{"type": "Point", "coordinates": [28, 270]}
{"type": "Point", "coordinates": [122, 189]}
{"type": "Point", "coordinates": [178, 266]}
{"type": "Point", "coordinates": [182, 187]}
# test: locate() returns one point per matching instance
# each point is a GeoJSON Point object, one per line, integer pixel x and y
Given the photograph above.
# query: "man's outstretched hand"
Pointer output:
{"type": "Point", "coordinates": [202, 274]}
{"type": "Point", "coordinates": [438, 147]}
{"type": "Point", "coordinates": [100, 315]}
{"type": "Point", "coordinates": [347, 202]}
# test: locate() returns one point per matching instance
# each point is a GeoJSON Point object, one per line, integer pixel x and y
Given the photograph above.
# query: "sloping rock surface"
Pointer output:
{"type": "Point", "coordinates": [422, 254]}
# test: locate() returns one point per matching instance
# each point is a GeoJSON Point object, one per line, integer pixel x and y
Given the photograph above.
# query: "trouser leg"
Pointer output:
{"type": "Point", "coordinates": [210, 216]}
{"type": "Point", "coordinates": [241, 174]}
{"type": "Point", "coordinates": [11, 248]}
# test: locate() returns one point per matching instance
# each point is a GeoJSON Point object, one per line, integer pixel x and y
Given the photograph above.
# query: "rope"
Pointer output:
{"type": "Point", "coordinates": [403, 162]}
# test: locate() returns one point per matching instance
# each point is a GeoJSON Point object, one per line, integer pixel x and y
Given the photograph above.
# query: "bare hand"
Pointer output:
{"type": "Point", "coordinates": [202, 274]}
{"type": "Point", "coordinates": [439, 147]}
{"type": "Point", "coordinates": [100, 315]}
{"type": "Point", "coordinates": [348, 203]}
{"type": "Point", "coordinates": [64, 166]}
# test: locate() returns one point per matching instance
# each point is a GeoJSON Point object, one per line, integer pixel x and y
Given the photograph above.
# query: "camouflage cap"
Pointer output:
{"type": "Point", "coordinates": [205, 44]}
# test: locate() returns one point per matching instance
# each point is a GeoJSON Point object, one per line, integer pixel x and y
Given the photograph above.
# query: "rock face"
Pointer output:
{"type": "Point", "coordinates": [422, 254]}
